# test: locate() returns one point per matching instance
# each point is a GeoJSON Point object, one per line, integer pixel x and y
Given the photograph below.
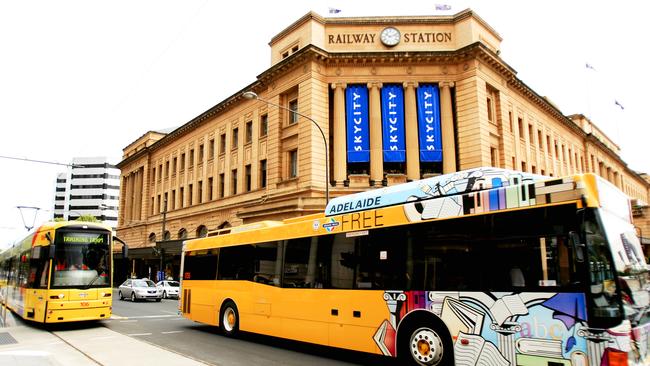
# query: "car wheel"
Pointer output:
{"type": "Point", "coordinates": [120, 295]}
{"type": "Point", "coordinates": [164, 294]}
{"type": "Point", "coordinates": [229, 323]}
{"type": "Point", "coordinates": [158, 299]}
{"type": "Point", "coordinates": [133, 296]}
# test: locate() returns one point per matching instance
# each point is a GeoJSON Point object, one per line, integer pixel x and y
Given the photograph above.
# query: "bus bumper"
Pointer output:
{"type": "Point", "coordinates": [79, 314]}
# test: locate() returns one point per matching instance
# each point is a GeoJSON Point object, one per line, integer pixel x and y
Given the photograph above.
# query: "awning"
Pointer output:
{"type": "Point", "coordinates": [171, 247]}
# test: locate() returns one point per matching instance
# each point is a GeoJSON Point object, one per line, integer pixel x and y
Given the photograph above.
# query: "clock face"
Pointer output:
{"type": "Point", "coordinates": [390, 36]}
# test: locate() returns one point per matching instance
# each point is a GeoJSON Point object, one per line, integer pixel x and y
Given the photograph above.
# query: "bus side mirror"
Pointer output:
{"type": "Point", "coordinates": [52, 246]}
{"type": "Point", "coordinates": [577, 246]}
{"type": "Point", "coordinates": [125, 248]}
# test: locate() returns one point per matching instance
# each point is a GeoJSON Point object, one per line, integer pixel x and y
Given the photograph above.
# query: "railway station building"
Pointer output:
{"type": "Point", "coordinates": [397, 99]}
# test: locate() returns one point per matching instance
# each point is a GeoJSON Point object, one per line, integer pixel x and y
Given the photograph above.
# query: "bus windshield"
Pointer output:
{"type": "Point", "coordinates": [626, 249]}
{"type": "Point", "coordinates": [81, 260]}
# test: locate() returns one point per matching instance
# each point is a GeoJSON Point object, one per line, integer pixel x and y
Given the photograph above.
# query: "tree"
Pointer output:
{"type": "Point", "coordinates": [87, 218]}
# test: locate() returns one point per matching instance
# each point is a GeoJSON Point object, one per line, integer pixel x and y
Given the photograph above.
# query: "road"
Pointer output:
{"type": "Point", "coordinates": [158, 323]}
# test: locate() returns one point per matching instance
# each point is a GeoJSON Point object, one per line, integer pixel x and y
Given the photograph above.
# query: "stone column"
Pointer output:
{"type": "Point", "coordinates": [339, 161]}
{"type": "Point", "coordinates": [411, 122]}
{"type": "Point", "coordinates": [376, 159]}
{"type": "Point", "coordinates": [447, 126]}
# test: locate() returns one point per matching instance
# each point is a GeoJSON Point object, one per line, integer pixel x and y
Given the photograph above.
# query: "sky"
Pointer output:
{"type": "Point", "coordinates": [86, 78]}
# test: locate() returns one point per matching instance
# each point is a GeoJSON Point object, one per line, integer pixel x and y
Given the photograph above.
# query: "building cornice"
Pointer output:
{"type": "Point", "coordinates": [385, 20]}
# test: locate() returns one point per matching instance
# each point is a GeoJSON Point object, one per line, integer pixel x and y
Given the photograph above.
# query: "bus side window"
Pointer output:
{"type": "Point", "coordinates": [236, 263]}
{"type": "Point", "coordinates": [267, 270]}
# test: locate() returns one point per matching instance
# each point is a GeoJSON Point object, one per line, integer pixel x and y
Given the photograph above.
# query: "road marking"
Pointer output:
{"type": "Point", "coordinates": [114, 316]}
{"type": "Point", "coordinates": [153, 316]}
{"type": "Point", "coordinates": [138, 334]}
{"type": "Point", "coordinates": [103, 337]}
{"type": "Point", "coordinates": [127, 321]}
{"type": "Point", "coordinates": [172, 332]}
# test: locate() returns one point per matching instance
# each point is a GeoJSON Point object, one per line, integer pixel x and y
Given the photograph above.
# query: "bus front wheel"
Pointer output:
{"type": "Point", "coordinates": [425, 344]}
{"type": "Point", "coordinates": [229, 319]}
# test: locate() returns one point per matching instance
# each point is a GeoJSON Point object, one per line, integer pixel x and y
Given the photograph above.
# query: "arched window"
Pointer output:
{"type": "Point", "coordinates": [168, 235]}
{"type": "Point", "coordinates": [152, 238]}
{"type": "Point", "coordinates": [201, 231]}
{"type": "Point", "coordinates": [224, 225]}
{"type": "Point", "coordinates": [182, 234]}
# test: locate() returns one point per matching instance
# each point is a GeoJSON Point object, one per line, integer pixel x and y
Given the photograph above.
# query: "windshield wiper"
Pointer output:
{"type": "Point", "coordinates": [86, 287]}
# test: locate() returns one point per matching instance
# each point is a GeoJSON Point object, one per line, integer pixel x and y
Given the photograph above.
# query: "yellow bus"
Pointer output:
{"type": "Point", "coordinates": [483, 266]}
{"type": "Point", "coordinates": [60, 272]}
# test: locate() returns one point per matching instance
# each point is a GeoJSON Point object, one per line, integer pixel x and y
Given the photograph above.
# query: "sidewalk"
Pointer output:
{"type": "Point", "coordinates": [24, 345]}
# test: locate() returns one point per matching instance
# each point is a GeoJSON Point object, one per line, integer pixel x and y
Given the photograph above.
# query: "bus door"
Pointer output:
{"type": "Point", "coordinates": [36, 287]}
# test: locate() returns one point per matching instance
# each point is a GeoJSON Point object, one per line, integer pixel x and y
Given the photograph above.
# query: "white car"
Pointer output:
{"type": "Point", "coordinates": [136, 289]}
{"type": "Point", "coordinates": [168, 288]}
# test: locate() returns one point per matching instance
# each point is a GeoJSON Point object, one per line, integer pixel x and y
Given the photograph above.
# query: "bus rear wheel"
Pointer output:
{"type": "Point", "coordinates": [229, 317]}
{"type": "Point", "coordinates": [424, 345]}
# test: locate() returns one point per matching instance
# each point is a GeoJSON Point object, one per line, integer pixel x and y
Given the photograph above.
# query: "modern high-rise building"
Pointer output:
{"type": "Point", "coordinates": [91, 186]}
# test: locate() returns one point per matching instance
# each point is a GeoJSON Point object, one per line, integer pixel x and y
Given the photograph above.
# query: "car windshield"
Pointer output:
{"type": "Point", "coordinates": [143, 283]}
{"type": "Point", "coordinates": [173, 283]}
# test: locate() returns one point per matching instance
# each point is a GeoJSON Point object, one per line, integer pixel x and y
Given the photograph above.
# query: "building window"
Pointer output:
{"type": "Point", "coordinates": [233, 188]}
{"type": "Point", "coordinates": [263, 173]}
{"type": "Point", "coordinates": [520, 122]}
{"type": "Point", "coordinates": [173, 205]}
{"type": "Point", "coordinates": [182, 162]}
{"type": "Point", "coordinates": [190, 194]}
{"type": "Point", "coordinates": [181, 193]}
{"type": "Point", "coordinates": [531, 137]}
{"type": "Point", "coordinates": [191, 158]}
{"type": "Point", "coordinates": [492, 104]}
{"type": "Point", "coordinates": [249, 132]}
{"type": "Point", "coordinates": [201, 150]}
{"type": "Point", "coordinates": [235, 137]}
{"type": "Point", "coordinates": [199, 197]}
{"type": "Point", "coordinates": [494, 157]}
{"type": "Point", "coordinates": [153, 174]}
{"type": "Point", "coordinates": [167, 169]}
{"type": "Point", "coordinates": [248, 178]}
{"type": "Point", "coordinates": [160, 172]}
{"type": "Point", "coordinates": [152, 206]}
{"type": "Point", "coordinates": [548, 144]}
{"type": "Point", "coordinates": [293, 116]}
{"type": "Point", "coordinates": [222, 144]}
{"type": "Point", "coordinates": [221, 185]}
{"type": "Point", "coordinates": [264, 125]}
{"type": "Point", "coordinates": [211, 149]}
{"type": "Point", "coordinates": [174, 165]}
{"type": "Point", "coordinates": [158, 204]}
{"type": "Point", "coordinates": [540, 140]}
{"type": "Point", "coordinates": [523, 166]}
{"type": "Point", "coordinates": [490, 110]}
{"type": "Point", "coordinates": [510, 122]}
{"type": "Point", "coordinates": [557, 151]}
{"type": "Point", "coordinates": [293, 163]}
{"type": "Point", "coordinates": [210, 181]}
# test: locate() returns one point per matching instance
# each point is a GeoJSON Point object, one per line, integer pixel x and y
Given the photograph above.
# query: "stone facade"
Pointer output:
{"type": "Point", "coordinates": [248, 160]}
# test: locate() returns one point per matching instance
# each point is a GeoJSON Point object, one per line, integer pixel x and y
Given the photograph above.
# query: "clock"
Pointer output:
{"type": "Point", "coordinates": [390, 36]}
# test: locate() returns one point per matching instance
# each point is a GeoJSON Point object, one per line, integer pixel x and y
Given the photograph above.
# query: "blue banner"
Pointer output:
{"type": "Point", "coordinates": [429, 123]}
{"type": "Point", "coordinates": [358, 135]}
{"type": "Point", "coordinates": [392, 117]}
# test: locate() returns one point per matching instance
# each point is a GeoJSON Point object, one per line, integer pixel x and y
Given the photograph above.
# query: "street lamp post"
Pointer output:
{"type": "Point", "coordinates": [253, 95]}
{"type": "Point", "coordinates": [161, 252]}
